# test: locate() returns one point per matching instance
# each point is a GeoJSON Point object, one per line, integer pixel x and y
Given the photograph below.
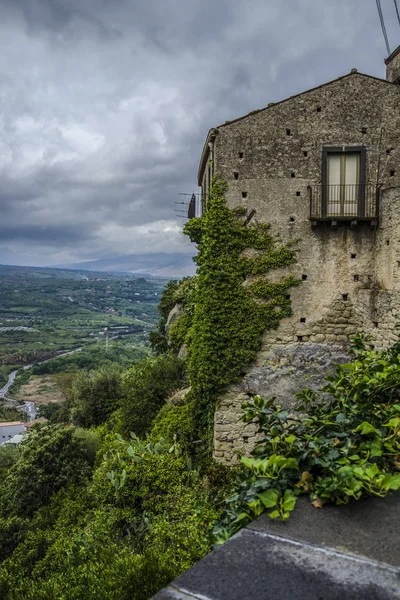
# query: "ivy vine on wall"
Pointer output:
{"type": "Point", "coordinates": [234, 302]}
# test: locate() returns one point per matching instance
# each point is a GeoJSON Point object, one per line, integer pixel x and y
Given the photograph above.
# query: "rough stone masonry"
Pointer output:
{"type": "Point", "coordinates": [276, 164]}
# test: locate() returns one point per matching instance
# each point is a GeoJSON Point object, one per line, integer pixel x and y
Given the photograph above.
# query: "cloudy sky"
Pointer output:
{"type": "Point", "coordinates": [105, 105]}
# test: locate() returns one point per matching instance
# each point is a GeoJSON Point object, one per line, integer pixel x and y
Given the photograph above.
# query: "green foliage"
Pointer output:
{"type": "Point", "coordinates": [51, 411]}
{"type": "Point", "coordinates": [50, 458]}
{"type": "Point", "coordinates": [95, 396]}
{"type": "Point", "coordinates": [8, 457]}
{"type": "Point", "coordinates": [339, 450]}
{"type": "Point", "coordinates": [145, 518]}
{"type": "Point", "coordinates": [157, 338]}
{"type": "Point", "coordinates": [62, 310]}
{"type": "Point", "coordinates": [145, 389]}
{"type": "Point", "coordinates": [167, 299]}
{"type": "Point", "coordinates": [178, 332]}
{"type": "Point", "coordinates": [174, 421]}
{"type": "Point", "coordinates": [90, 442]}
{"type": "Point", "coordinates": [11, 414]}
{"type": "Point", "coordinates": [230, 316]}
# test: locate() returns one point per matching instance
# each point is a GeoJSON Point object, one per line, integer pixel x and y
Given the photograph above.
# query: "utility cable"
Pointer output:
{"type": "Point", "coordinates": [397, 11]}
{"type": "Point", "coordinates": [378, 4]}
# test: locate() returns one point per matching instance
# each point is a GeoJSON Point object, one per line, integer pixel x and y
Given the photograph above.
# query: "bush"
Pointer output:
{"type": "Point", "coordinates": [95, 396]}
{"type": "Point", "coordinates": [50, 458]}
{"type": "Point", "coordinates": [173, 421]}
{"type": "Point", "coordinates": [146, 387]}
{"type": "Point", "coordinates": [340, 450]}
{"type": "Point", "coordinates": [8, 457]}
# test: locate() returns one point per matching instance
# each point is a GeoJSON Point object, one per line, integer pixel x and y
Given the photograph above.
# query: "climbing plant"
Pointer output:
{"type": "Point", "coordinates": [234, 301]}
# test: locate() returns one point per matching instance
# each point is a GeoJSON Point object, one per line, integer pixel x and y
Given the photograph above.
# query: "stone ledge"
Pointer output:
{"type": "Point", "coordinates": [335, 553]}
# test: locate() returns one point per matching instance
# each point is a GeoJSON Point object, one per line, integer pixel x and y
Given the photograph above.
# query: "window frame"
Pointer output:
{"type": "Point", "coordinates": [361, 150]}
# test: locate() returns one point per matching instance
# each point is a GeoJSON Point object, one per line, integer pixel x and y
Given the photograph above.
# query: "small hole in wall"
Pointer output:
{"type": "Point", "coordinates": [287, 296]}
{"type": "Point", "coordinates": [297, 193]}
{"type": "Point", "coordinates": [392, 173]}
{"type": "Point", "coordinates": [363, 130]}
{"type": "Point", "coordinates": [319, 109]}
{"type": "Point", "coordinates": [244, 194]}
{"type": "Point", "coordinates": [302, 319]}
{"type": "Point", "coordinates": [388, 151]}
{"type": "Point", "coordinates": [240, 154]}
{"type": "Point", "coordinates": [356, 278]}
{"type": "Point", "coordinates": [304, 277]}
{"type": "Point", "coordinates": [299, 338]}
{"type": "Point", "coordinates": [245, 439]}
{"type": "Point", "coordinates": [291, 219]}
{"type": "Point", "coordinates": [236, 175]}
{"type": "Point", "coordinates": [292, 175]}
{"type": "Point", "coordinates": [353, 255]}
{"type": "Point", "coordinates": [305, 153]}
{"type": "Point", "coordinates": [387, 242]}
{"type": "Point", "coordinates": [375, 323]}
{"type": "Point", "coordinates": [288, 132]}
{"type": "Point", "coordinates": [345, 297]}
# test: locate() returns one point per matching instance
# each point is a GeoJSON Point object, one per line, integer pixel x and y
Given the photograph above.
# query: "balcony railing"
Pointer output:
{"type": "Point", "coordinates": [344, 202]}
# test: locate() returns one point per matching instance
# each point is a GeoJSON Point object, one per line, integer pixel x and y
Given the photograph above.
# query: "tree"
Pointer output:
{"type": "Point", "coordinates": [95, 396]}
{"type": "Point", "coordinates": [51, 457]}
{"type": "Point", "coordinates": [146, 388]}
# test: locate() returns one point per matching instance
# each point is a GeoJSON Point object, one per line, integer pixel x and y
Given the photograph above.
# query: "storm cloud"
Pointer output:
{"type": "Point", "coordinates": [105, 106]}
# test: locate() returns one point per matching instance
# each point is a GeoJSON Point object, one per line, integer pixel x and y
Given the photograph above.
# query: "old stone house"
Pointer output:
{"type": "Point", "coordinates": [322, 167]}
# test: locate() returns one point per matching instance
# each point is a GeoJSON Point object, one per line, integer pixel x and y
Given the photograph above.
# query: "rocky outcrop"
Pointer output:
{"type": "Point", "coordinates": [173, 316]}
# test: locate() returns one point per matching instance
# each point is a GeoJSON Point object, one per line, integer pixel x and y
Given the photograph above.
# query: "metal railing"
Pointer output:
{"type": "Point", "coordinates": [344, 202]}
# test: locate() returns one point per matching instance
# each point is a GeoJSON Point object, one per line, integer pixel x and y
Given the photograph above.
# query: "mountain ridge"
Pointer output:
{"type": "Point", "coordinates": [159, 264]}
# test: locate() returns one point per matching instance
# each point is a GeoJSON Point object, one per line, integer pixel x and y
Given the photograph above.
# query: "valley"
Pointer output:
{"type": "Point", "coordinates": [47, 313]}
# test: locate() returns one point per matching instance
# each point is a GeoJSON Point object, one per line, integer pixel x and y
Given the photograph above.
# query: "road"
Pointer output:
{"type": "Point", "coordinates": [29, 407]}
{"type": "Point", "coordinates": [11, 379]}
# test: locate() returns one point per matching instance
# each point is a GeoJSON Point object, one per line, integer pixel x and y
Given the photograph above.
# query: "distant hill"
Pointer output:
{"type": "Point", "coordinates": [161, 264]}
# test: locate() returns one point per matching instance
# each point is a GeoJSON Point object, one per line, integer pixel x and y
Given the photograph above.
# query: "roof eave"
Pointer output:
{"type": "Point", "coordinates": [391, 56]}
{"type": "Point", "coordinates": [204, 155]}
{"type": "Point", "coordinates": [274, 104]}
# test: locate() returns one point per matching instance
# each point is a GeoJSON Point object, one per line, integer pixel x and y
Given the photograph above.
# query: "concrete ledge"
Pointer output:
{"type": "Point", "coordinates": [369, 527]}
{"type": "Point", "coordinates": [337, 553]}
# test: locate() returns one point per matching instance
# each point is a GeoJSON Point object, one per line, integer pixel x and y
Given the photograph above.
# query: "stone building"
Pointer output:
{"type": "Point", "coordinates": [322, 167]}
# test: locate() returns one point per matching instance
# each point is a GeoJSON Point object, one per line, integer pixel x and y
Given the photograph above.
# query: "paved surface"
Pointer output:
{"type": "Point", "coordinates": [338, 553]}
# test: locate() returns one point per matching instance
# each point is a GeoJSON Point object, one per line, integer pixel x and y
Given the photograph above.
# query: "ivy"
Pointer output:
{"type": "Point", "coordinates": [230, 315]}
{"type": "Point", "coordinates": [338, 451]}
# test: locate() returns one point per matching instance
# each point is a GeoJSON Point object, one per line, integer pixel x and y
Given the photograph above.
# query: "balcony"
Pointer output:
{"type": "Point", "coordinates": [334, 203]}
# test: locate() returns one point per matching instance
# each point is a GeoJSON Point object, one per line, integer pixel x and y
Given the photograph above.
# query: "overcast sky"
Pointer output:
{"type": "Point", "coordinates": [105, 105]}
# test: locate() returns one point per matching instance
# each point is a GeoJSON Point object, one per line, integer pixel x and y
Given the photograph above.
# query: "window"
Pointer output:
{"type": "Point", "coordinates": [343, 182]}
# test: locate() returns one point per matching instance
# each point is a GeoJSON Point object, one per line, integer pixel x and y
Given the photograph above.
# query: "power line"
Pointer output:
{"type": "Point", "coordinates": [378, 4]}
{"type": "Point", "coordinates": [397, 11]}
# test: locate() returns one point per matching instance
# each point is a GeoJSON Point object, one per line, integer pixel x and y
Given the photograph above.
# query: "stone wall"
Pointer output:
{"type": "Point", "coordinates": [393, 66]}
{"type": "Point", "coordinates": [350, 273]}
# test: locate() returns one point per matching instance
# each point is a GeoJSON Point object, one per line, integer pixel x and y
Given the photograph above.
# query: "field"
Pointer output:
{"type": "Point", "coordinates": [45, 312]}
{"type": "Point", "coordinates": [41, 389]}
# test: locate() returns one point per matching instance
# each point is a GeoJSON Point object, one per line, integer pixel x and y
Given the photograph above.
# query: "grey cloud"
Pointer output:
{"type": "Point", "coordinates": [104, 106]}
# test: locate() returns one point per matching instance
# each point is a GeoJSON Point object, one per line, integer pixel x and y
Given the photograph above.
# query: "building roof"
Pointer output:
{"type": "Point", "coordinates": [8, 423]}
{"type": "Point", "coordinates": [16, 439]}
{"type": "Point", "coordinates": [391, 57]}
{"type": "Point", "coordinates": [272, 105]}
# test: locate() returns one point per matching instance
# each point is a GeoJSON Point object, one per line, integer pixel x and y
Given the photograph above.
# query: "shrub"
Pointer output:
{"type": "Point", "coordinates": [50, 458]}
{"type": "Point", "coordinates": [342, 449]}
{"type": "Point", "coordinates": [146, 387]}
{"type": "Point", "coordinates": [95, 396]}
{"type": "Point", "coordinates": [173, 421]}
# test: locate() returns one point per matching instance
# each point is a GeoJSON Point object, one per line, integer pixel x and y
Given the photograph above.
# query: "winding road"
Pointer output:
{"type": "Point", "coordinates": [29, 406]}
